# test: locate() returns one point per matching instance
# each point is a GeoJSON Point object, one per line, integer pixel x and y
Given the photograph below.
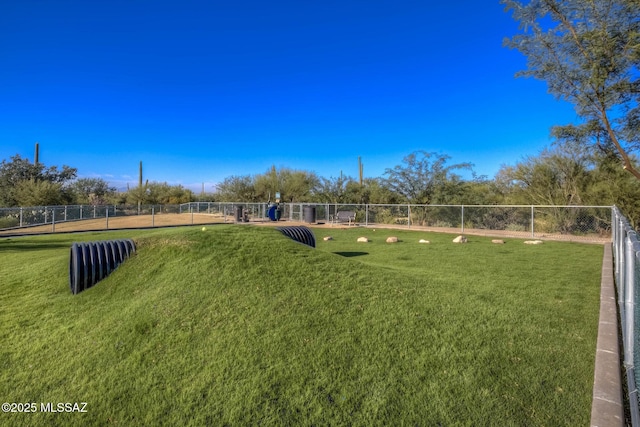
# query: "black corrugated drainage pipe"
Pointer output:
{"type": "Point", "coordinates": [90, 262]}
{"type": "Point", "coordinates": [299, 234]}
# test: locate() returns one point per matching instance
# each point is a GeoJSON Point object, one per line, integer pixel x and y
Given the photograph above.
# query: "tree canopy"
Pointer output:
{"type": "Point", "coordinates": [19, 178]}
{"type": "Point", "coordinates": [425, 178]}
{"type": "Point", "coordinates": [93, 191]}
{"type": "Point", "coordinates": [588, 52]}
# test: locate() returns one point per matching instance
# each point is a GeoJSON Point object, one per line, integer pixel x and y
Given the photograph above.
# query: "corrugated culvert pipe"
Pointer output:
{"type": "Point", "coordinates": [299, 234]}
{"type": "Point", "coordinates": [90, 262]}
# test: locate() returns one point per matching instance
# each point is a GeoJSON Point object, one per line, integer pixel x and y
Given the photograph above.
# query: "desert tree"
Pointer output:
{"type": "Point", "coordinates": [587, 51]}
{"type": "Point", "coordinates": [236, 188]}
{"type": "Point", "coordinates": [556, 176]}
{"type": "Point", "coordinates": [161, 193]}
{"type": "Point", "coordinates": [611, 185]}
{"type": "Point", "coordinates": [20, 173]}
{"type": "Point", "coordinates": [30, 192]}
{"type": "Point", "coordinates": [425, 178]}
{"type": "Point", "coordinates": [94, 191]}
{"type": "Point", "coordinates": [300, 186]}
{"type": "Point", "coordinates": [293, 185]}
{"type": "Point", "coordinates": [333, 189]}
{"type": "Point", "coordinates": [371, 190]}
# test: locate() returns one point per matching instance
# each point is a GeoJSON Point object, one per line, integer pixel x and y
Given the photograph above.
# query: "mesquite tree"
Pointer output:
{"type": "Point", "coordinates": [588, 52]}
{"type": "Point", "coordinates": [426, 178]}
{"type": "Point", "coordinates": [33, 180]}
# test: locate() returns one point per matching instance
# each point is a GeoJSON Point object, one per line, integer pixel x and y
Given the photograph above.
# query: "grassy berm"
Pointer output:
{"type": "Point", "coordinates": [239, 325]}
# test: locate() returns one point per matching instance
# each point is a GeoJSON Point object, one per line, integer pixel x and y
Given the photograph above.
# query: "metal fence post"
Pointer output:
{"type": "Point", "coordinates": [462, 216]}
{"type": "Point", "coordinates": [621, 235]}
{"type": "Point", "coordinates": [80, 211]}
{"type": "Point", "coordinates": [629, 327]}
{"type": "Point", "coordinates": [153, 216]}
{"type": "Point", "coordinates": [621, 266]}
{"type": "Point", "coordinates": [53, 220]}
{"type": "Point", "coordinates": [107, 217]}
{"type": "Point", "coordinates": [65, 212]}
{"type": "Point", "coordinates": [629, 298]}
{"type": "Point", "coordinates": [408, 216]}
{"type": "Point", "coordinates": [615, 225]}
{"type": "Point", "coordinates": [366, 215]}
{"type": "Point", "coordinates": [20, 217]}
{"type": "Point", "coordinates": [532, 227]}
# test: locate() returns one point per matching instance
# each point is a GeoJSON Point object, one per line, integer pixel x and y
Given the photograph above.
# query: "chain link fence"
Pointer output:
{"type": "Point", "coordinates": [40, 215]}
{"type": "Point", "coordinates": [589, 222]}
{"type": "Point", "coordinates": [626, 254]}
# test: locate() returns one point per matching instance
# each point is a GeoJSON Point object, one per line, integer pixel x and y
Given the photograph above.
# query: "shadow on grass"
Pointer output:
{"type": "Point", "coordinates": [15, 245]}
{"type": "Point", "coordinates": [351, 254]}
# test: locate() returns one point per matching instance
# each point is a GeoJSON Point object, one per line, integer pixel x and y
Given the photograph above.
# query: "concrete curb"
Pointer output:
{"type": "Point", "coordinates": [607, 408]}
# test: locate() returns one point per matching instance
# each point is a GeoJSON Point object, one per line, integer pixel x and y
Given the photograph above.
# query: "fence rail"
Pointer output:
{"type": "Point", "coordinates": [626, 254]}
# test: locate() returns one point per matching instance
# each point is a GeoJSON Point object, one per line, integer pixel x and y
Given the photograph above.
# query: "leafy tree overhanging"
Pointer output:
{"type": "Point", "coordinates": [588, 52]}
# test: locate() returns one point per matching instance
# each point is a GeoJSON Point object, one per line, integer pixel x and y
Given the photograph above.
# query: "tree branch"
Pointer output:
{"type": "Point", "coordinates": [628, 165]}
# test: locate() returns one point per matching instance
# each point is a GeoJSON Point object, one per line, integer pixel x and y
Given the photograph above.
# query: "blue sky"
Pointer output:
{"type": "Point", "coordinates": [201, 90]}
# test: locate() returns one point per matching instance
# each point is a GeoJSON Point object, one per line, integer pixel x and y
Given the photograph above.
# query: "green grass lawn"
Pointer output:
{"type": "Point", "coordinates": [239, 325]}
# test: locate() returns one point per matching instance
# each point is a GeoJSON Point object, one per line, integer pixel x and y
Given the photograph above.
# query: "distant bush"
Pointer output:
{"type": "Point", "coordinates": [383, 216]}
{"type": "Point", "coordinates": [9, 222]}
{"type": "Point", "coordinates": [515, 227]}
{"type": "Point", "coordinates": [443, 224]}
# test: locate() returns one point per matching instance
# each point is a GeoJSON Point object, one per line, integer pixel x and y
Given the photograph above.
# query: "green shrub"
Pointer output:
{"type": "Point", "coordinates": [383, 216]}
{"type": "Point", "coordinates": [515, 227]}
{"type": "Point", "coordinates": [9, 222]}
{"type": "Point", "coordinates": [444, 224]}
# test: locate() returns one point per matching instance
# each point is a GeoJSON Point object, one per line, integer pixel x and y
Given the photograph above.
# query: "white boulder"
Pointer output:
{"type": "Point", "coordinates": [533, 242]}
{"type": "Point", "coordinates": [363, 240]}
{"type": "Point", "coordinates": [460, 239]}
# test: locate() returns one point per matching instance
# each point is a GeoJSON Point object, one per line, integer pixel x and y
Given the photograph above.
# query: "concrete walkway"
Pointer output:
{"type": "Point", "coordinates": [607, 408]}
